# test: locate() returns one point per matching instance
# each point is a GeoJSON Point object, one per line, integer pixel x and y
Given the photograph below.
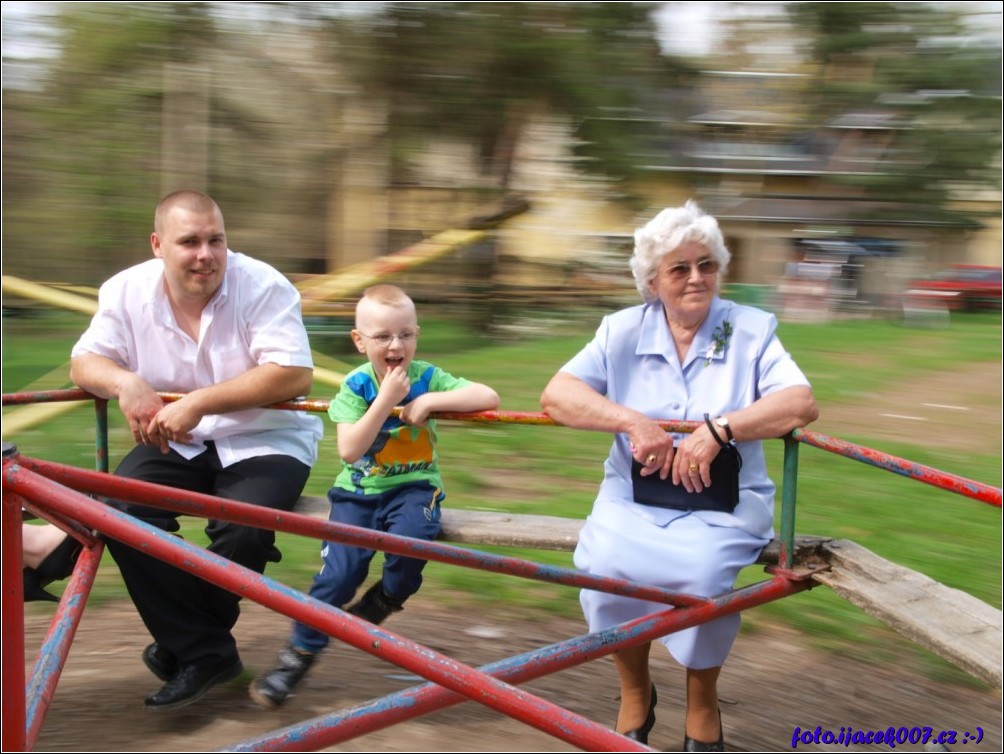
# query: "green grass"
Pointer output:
{"type": "Point", "coordinates": [555, 471]}
{"type": "Point", "coordinates": [852, 358]}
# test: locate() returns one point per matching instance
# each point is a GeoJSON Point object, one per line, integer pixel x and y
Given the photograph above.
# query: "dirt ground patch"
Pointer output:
{"type": "Point", "coordinates": [773, 682]}
{"type": "Point", "coordinates": [957, 410]}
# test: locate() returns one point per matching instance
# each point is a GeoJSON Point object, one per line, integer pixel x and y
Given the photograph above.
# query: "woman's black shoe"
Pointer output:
{"type": "Point", "coordinates": [690, 744]}
{"type": "Point", "coordinates": [58, 564]}
{"type": "Point", "coordinates": [641, 734]}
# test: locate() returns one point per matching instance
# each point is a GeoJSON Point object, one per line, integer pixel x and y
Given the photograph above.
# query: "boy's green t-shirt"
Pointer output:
{"type": "Point", "coordinates": [401, 453]}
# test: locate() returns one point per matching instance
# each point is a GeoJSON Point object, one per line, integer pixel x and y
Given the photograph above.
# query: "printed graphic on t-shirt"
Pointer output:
{"type": "Point", "coordinates": [401, 450]}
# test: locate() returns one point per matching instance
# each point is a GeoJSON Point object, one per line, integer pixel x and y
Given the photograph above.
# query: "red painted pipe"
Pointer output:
{"type": "Point", "coordinates": [13, 735]}
{"type": "Point", "coordinates": [56, 645]}
{"type": "Point", "coordinates": [528, 708]}
{"type": "Point", "coordinates": [927, 474]}
{"type": "Point", "coordinates": [207, 506]}
{"type": "Point", "coordinates": [338, 727]}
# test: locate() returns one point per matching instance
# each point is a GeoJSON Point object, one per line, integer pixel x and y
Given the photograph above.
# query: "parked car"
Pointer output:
{"type": "Point", "coordinates": [960, 287]}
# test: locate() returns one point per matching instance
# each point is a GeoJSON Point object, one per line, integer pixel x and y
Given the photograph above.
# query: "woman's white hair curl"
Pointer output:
{"type": "Point", "coordinates": [668, 231]}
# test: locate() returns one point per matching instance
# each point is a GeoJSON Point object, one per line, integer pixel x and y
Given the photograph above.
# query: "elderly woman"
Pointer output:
{"type": "Point", "coordinates": [684, 354]}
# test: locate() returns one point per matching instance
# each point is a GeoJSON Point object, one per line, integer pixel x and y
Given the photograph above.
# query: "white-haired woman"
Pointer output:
{"type": "Point", "coordinates": [684, 354]}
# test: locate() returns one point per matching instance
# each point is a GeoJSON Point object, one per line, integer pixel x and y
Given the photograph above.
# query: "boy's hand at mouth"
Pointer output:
{"type": "Point", "coordinates": [395, 385]}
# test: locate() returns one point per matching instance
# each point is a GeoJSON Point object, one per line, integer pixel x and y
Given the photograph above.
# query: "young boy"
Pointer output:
{"type": "Point", "coordinates": [390, 481]}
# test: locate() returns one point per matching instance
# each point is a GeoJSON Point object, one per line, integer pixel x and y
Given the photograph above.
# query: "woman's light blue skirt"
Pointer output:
{"type": "Point", "coordinates": [685, 555]}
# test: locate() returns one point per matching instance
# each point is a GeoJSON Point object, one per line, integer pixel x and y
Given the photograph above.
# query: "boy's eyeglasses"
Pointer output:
{"type": "Point", "coordinates": [385, 339]}
{"type": "Point", "coordinates": [681, 270]}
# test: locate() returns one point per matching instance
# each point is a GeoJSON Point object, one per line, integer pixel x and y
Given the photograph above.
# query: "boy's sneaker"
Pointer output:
{"type": "Point", "coordinates": [271, 689]}
{"type": "Point", "coordinates": [376, 605]}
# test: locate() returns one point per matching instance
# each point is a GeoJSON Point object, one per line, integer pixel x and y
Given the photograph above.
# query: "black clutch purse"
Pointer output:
{"type": "Point", "coordinates": [722, 495]}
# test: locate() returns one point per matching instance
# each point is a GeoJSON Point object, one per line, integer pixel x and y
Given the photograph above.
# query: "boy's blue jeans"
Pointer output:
{"type": "Point", "coordinates": [410, 510]}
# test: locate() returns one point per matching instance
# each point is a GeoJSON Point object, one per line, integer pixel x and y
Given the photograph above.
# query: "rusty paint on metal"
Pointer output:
{"type": "Point", "coordinates": [331, 729]}
{"type": "Point", "coordinates": [951, 482]}
{"type": "Point", "coordinates": [12, 732]}
{"type": "Point", "coordinates": [207, 506]}
{"type": "Point", "coordinates": [56, 645]}
{"type": "Point", "coordinates": [45, 396]}
{"type": "Point", "coordinates": [38, 485]}
{"type": "Point", "coordinates": [321, 406]}
{"type": "Point", "coordinates": [502, 697]}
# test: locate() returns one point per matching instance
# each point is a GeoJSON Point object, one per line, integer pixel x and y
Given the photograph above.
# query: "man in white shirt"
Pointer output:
{"type": "Point", "coordinates": [225, 330]}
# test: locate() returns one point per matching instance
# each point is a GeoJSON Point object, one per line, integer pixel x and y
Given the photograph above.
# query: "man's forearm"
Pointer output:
{"type": "Point", "coordinates": [261, 386]}
{"type": "Point", "coordinates": [98, 375]}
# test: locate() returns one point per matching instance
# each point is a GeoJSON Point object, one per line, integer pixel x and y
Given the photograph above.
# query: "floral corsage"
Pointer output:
{"type": "Point", "coordinates": [719, 340]}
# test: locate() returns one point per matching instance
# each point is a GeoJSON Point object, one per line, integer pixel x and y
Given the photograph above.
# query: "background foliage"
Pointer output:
{"type": "Point", "coordinates": [84, 125]}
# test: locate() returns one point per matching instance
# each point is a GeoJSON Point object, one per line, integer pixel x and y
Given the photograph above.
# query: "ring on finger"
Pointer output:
{"type": "Point", "coordinates": [694, 468]}
{"type": "Point", "coordinates": [650, 459]}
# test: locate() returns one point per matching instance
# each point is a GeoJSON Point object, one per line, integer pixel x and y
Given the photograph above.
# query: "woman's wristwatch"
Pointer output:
{"type": "Point", "coordinates": [723, 422]}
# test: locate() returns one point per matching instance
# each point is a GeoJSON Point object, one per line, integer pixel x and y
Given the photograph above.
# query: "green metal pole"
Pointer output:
{"type": "Point", "coordinates": [101, 434]}
{"type": "Point", "coordinates": [788, 501]}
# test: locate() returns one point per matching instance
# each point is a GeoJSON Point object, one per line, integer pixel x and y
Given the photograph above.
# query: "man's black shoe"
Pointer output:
{"type": "Point", "coordinates": [160, 662]}
{"type": "Point", "coordinates": [191, 682]}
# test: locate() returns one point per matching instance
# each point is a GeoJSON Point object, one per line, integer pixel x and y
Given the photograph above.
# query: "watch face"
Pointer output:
{"type": "Point", "coordinates": [721, 421]}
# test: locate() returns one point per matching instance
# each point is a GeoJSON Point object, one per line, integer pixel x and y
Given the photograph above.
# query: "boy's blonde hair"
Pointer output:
{"type": "Point", "coordinates": [389, 295]}
{"type": "Point", "coordinates": [385, 295]}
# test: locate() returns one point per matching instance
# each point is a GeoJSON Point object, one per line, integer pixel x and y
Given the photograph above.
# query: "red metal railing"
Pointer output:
{"type": "Point", "coordinates": [43, 485]}
{"type": "Point", "coordinates": [951, 482]}
{"type": "Point", "coordinates": [58, 493]}
{"type": "Point", "coordinates": [544, 715]}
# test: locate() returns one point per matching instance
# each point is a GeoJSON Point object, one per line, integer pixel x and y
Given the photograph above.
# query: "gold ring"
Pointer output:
{"type": "Point", "coordinates": [650, 459]}
{"type": "Point", "coordinates": [694, 468]}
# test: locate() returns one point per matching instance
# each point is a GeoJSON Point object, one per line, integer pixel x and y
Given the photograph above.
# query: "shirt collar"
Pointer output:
{"type": "Point", "coordinates": [654, 337]}
{"type": "Point", "coordinates": [221, 292]}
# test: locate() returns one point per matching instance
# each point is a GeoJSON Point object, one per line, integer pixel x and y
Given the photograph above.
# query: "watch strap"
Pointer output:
{"type": "Point", "coordinates": [726, 426]}
{"type": "Point", "coordinates": [714, 432]}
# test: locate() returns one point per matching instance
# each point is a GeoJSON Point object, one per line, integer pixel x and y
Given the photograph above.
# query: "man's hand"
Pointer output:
{"type": "Point", "coordinates": [140, 404]}
{"type": "Point", "coordinates": [174, 422]}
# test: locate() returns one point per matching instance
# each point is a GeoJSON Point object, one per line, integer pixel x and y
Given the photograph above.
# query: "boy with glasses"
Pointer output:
{"type": "Point", "coordinates": [390, 481]}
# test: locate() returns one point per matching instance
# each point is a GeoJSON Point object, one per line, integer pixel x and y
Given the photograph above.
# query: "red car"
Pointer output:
{"type": "Point", "coordinates": [960, 287]}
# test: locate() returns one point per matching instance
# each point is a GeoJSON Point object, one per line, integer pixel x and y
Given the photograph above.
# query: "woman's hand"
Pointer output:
{"type": "Point", "coordinates": [692, 465]}
{"type": "Point", "coordinates": [652, 447]}
{"type": "Point", "coordinates": [773, 415]}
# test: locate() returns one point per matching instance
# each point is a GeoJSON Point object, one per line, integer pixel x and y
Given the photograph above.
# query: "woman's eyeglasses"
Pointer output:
{"type": "Point", "coordinates": [681, 270]}
{"type": "Point", "coordinates": [385, 339]}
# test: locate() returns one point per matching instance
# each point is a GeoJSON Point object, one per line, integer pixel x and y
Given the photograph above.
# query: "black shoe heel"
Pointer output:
{"type": "Point", "coordinates": [641, 734]}
{"type": "Point", "coordinates": [690, 744]}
